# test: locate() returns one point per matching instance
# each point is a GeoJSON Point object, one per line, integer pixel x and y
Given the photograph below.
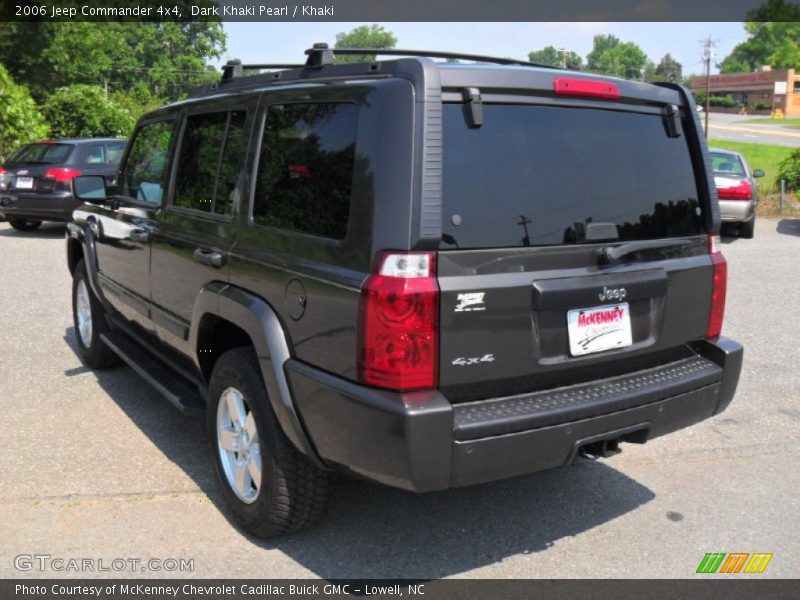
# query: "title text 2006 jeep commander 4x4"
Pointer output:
{"type": "Point", "coordinates": [424, 274]}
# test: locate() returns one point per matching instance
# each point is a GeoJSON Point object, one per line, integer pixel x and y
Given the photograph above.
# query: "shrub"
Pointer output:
{"type": "Point", "coordinates": [789, 170]}
{"type": "Point", "coordinates": [723, 101]}
{"type": "Point", "coordinates": [20, 119]}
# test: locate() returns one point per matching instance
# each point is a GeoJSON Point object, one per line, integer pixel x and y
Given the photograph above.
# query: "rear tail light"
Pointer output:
{"type": "Point", "coordinates": [585, 88]}
{"type": "Point", "coordinates": [718, 288]}
{"type": "Point", "coordinates": [741, 191]}
{"type": "Point", "coordinates": [2, 170]}
{"type": "Point", "coordinates": [399, 314]}
{"type": "Point", "coordinates": [62, 174]}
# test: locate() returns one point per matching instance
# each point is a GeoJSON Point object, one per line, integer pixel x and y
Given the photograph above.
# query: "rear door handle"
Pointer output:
{"type": "Point", "coordinates": [140, 235]}
{"type": "Point", "coordinates": [206, 256]}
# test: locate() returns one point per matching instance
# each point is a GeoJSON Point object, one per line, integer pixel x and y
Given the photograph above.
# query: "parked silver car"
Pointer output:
{"type": "Point", "coordinates": [737, 189]}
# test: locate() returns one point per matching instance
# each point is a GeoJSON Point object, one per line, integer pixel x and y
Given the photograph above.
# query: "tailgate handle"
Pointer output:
{"type": "Point", "coordinates": [614, 254]}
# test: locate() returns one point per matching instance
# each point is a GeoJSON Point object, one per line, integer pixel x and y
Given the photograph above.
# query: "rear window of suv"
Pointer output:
{"type": "Point", "coordinates": [45, 154]}
{"type": "Point", "coordinates": [536, 175]}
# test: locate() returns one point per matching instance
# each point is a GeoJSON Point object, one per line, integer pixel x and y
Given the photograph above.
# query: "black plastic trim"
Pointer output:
{"type": "Point", "coordinates": [174, 388]}
{"type": "Point", "coordinates": [532, 411]}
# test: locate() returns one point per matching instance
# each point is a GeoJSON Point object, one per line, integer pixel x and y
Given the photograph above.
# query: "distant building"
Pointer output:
{"type": "Point", "coordinates": [751, 89]}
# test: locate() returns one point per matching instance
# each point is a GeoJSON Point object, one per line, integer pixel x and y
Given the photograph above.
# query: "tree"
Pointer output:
{"type": "Point", "coordinates": [168, 57]}
{"type": "Point", "coordinates": [20, 119]}
{"type": "Point", "coordinates": [611, 56]}
{"type": "Point", "coordinates": [550, 55]}
{"type": "Point", "coordinates": [364, 36]}
{"type": "Point", "coordinates": [84, 111]}
{"type": "Point", "coordinates": [773, 32]}
{"type": "Point", "coordinates": [668, 69]}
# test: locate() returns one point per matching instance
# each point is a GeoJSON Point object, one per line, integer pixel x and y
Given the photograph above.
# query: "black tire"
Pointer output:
{"type": "Point", "coordinates": [292, 491]}
{"type": "Point", "coordinates": [24, 224]}
{"type": "Point", "coordinates": [95, 353]}
{"type": "Point", "coordinates": [747, 229]}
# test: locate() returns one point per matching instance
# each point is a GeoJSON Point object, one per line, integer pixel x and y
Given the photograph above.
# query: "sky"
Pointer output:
{"type": "Point", "coordinates": [285, 42]}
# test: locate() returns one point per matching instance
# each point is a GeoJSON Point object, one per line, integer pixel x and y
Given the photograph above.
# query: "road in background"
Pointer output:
{"type": "Point", "coordinates": [724, 126]}
{"type": "Point", "coordinates": [97, 465]}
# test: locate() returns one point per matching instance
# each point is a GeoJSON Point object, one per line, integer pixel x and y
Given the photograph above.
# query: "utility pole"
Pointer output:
{"type": "Point", "coordinates": [708, 54]}
{"type": "Point", "coordinates": [564, 54]}
{"type": "Point", "coordinates": [526, 241]}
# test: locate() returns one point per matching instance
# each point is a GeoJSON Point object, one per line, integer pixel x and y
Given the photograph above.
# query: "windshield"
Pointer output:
{"type": "Point", "coordinates": [42, 153]}
{"type": "Point", "coordinates": [538, 175]}
{"type": "Point", "coordinates": [727, 164]}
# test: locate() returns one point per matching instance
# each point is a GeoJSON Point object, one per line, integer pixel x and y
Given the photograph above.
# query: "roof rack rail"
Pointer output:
{"type": "Point", "coordinates": [234, 68]}
{"type": "Point", "coordinates": [432, 54]}
{"type": "Point", "coordinates": [320, 54]}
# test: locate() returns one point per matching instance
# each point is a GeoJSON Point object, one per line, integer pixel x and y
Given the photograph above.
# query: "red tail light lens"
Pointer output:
{"type": "Point", "coordinates": [399, 314]}
{"type": "Point", "coordinates": [742, 191]}
{"type": "Point", "coordinates": [62, 174]}
{"type": "Point", "coordinates": [719, 287]}
{"type": "Point", "coordinates": [2, 169]}
{"type": "Point", "coordinates": [585, 88]}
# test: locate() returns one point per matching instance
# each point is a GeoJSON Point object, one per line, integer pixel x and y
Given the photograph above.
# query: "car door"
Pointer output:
{"type": "Point", "coordinates": [124, 224]}
{"type": "Point", "coordinates": [197, 231]}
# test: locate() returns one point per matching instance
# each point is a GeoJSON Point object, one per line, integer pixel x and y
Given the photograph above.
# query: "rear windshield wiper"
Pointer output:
{"type": "Point", "coordinates": [611, 255]}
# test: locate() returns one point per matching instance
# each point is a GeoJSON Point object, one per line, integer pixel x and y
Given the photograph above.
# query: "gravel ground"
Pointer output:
{"type": "Point", "coordinates": [96, 465]}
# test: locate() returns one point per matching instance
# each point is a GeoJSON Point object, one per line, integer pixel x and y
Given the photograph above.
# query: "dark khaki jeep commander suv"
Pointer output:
{"type": "Point", "coordinates": [422, 274]}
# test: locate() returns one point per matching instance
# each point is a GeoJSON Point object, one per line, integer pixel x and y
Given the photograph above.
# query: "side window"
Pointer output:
{"type": "Point", "coordinates": [95, 155]}
{"type": "Point", "coordinates": [115, 152]}
{"type": "Point", "coordinates": [209, 161]}
{"type": "Point", "coordinates": [145, 172]}
{"type": "Point", "coordinates": [305, 171]}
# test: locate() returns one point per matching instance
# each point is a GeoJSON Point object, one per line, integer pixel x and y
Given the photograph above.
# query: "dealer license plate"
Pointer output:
{"type": "Point", "coordinates": [600, 328]}
{"type": "Point", "coordinates": [24, 183]}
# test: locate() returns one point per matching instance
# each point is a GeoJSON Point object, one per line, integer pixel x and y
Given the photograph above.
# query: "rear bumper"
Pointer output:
{"type": "Point", "coordinates": [737, 211]}
{"type": "Point", "coordinates": [55, 206]}
{"type": "Point", "coordinates": [420, 442]}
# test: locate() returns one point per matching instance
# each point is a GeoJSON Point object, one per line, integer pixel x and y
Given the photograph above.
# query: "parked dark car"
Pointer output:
{"type": "Point", "coordinates": [737, 189]}
{"type": "Point", "coordinates": [36, 181]}
{"type": "Point", "coordinates": [422, 274]}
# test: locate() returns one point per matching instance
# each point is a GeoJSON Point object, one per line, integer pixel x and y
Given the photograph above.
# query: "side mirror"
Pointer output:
{"type": "Point", "coordinates": [758, 173]}
{"type": "Point", "coordinates": [89, 187]}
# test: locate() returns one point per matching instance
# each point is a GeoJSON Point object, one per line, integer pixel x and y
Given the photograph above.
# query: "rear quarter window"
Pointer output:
{"type": "Point", "coordinates": [305, 170]}
{"type": "Point", "coordinates": [536, 176]}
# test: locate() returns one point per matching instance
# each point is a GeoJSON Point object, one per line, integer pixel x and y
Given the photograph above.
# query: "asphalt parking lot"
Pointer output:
{"type": "Point", "coordinates": [98, 466]}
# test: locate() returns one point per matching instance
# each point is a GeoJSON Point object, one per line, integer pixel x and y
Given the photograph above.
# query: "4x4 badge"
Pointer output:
{"type": "Point", "coordinates": [471, 302]}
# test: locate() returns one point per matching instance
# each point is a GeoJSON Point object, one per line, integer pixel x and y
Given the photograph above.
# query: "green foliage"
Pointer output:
{"type": "Point", "coordinates": [773, 39]}
{"type": "Point", "coordinates": [723, 101]}
{"type": "Point", "coordinates": [137, 100]}
{"type": "Point", "coordinates": [611, 56]}
{"type": "Point", "coordinates": [550, 55]}
{"type": "Point", "coordinates": [84, 111]}
{"type": "Point", "coordinates": [668, 69]}
{"type": "Point", "coordinates": [789, 170]}
{"type": "Point", "coordinates": [167, 57]}
{"type": "Point", "coordinates": [20, 119]}
{"type": "Point", "coordinates": [364, 36]}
